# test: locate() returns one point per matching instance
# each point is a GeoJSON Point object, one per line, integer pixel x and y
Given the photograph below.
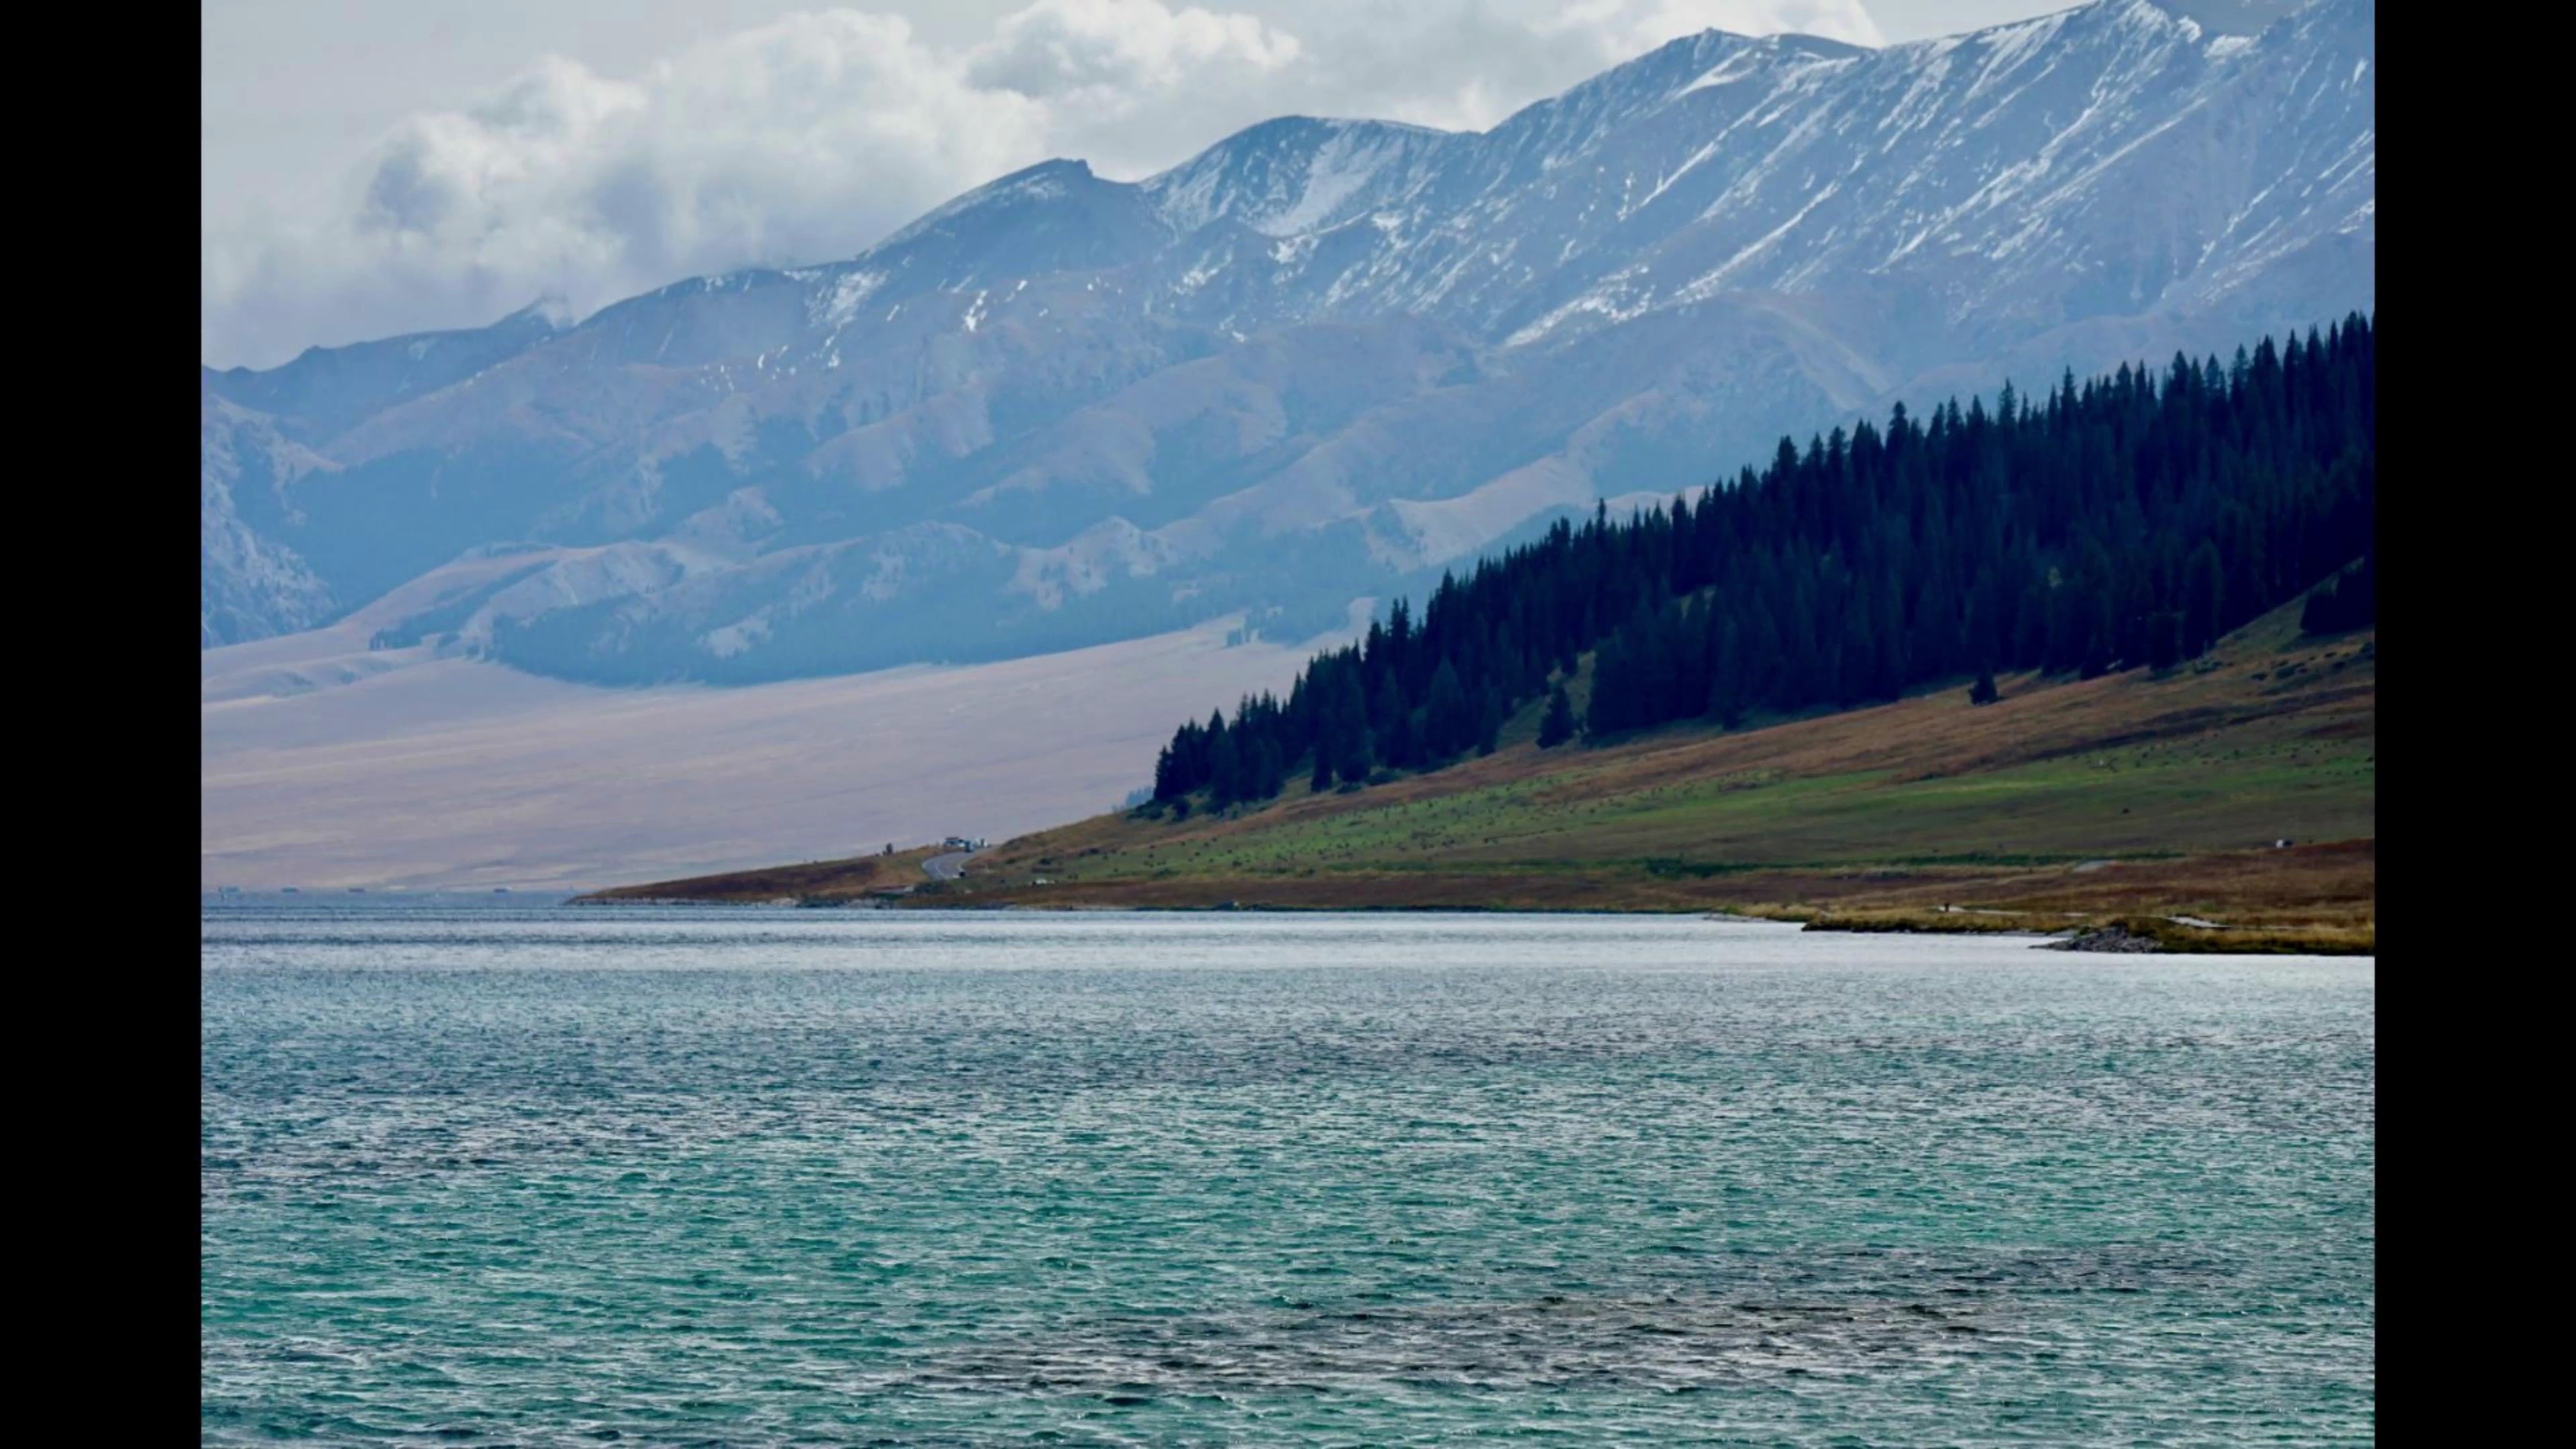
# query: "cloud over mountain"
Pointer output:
{"type": "Point", "coordinates": [814, 135]}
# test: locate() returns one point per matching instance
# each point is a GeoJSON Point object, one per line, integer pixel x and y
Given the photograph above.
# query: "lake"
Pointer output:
{"type": "Point", "coordinates": [486, 1174]}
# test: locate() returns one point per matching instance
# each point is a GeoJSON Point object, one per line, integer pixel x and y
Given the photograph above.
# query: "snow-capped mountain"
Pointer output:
{"type": "Point", "coordinates": [1321, 357]}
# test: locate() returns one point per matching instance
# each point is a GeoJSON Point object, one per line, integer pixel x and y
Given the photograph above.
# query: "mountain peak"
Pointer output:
{"type": "Point", "coordinates": [1048, 180]}
{"type": "Point", "coordinates": [551, 310]}
{"type": "Point", "coordinates": [1292, 174]}
{"type": "Point", "coordinates": [2230, 17]}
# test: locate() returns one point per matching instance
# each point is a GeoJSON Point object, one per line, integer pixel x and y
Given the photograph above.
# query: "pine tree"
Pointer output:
{"type": "Point", "coordinates": [1269, 773]}
{"type": "Point", "coordinates": [1447, 727]}
{"type": "Point", "coordinates": [2164, 639]}
{"type": "Point", "coordinates": [1359, 756]}
{"type": "Point", "coordinates": [1387, 719]}
{"type": "Point", "coordinates": [1403, 748]}
{"type": "Point", "coordinates": [1225, 771]}
{"type": "Point", "coordinates": [1558, 725]}
{"type": "Point", "coordinates": [1726, 689]}
{"type": "Point", "coordinates": [2204, 599]}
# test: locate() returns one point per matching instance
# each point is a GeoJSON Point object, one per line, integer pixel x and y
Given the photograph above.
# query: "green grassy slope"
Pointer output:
{"type": "Point", "coordinates": [2270, 736]}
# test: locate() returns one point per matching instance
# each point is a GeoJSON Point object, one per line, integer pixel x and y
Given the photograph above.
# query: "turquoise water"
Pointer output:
{"type": "Point", "coordinates": [511, 1176]}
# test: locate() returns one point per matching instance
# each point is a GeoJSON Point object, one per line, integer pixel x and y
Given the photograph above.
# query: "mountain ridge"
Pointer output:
{"type": "Point", "coordinates": [1325, 357]}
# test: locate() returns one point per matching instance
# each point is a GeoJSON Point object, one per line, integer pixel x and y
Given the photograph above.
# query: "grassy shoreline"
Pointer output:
{"type": "Point", "coordinates": [2173, 937]}
{"type": "Point", "coordinates": [2149, 802]}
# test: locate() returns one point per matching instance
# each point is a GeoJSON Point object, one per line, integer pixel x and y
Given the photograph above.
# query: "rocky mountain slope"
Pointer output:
{"type": "Point", "coordinates": [1320, 360]}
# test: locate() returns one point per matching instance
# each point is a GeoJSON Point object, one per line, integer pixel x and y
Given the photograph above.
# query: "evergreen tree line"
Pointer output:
{"type": "Point", "coordinates": [2129, 521]}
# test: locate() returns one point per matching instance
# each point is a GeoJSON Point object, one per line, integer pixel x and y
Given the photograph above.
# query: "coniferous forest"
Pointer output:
{"type": "Point", "coordinates": [2123, 523]}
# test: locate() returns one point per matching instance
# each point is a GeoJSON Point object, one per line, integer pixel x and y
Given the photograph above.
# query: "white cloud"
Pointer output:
{"type": "Point", "coordinates": [1122, 50]}
{"type": "Point", "coordinates": [808, 137]}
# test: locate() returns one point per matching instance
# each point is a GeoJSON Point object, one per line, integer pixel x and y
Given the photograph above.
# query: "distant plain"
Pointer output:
{"type": "Point", "coordinates": [327, 764]}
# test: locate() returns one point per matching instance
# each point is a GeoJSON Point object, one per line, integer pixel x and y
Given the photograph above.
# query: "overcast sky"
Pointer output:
{"type": "Point", "coordinates": [382, 166]}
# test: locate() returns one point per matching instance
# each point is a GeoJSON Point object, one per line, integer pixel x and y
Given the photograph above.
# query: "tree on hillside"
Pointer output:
{"type": "Point", "coordinates": [1558, 725]}
{"type": "Point", "coordinates": [1448, 728]}
{"type": "Point", "coordinates": [2204, 599]}
{"type": "Point", "coordinates": [1267, 775]}
{"type": "Point", "coordinates": [1225, 770]}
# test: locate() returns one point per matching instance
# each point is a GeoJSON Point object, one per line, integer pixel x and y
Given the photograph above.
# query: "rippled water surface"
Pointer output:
{"type": "Point", "coordinates": [762, 1178]}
